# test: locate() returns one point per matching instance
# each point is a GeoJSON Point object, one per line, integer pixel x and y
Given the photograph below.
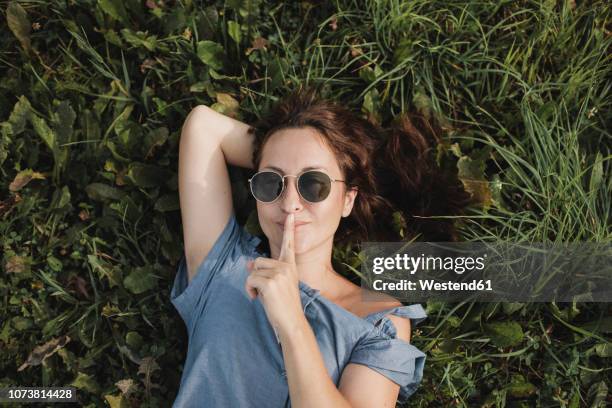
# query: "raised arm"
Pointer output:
{"type": "Point", "coordinates": [209, 140]}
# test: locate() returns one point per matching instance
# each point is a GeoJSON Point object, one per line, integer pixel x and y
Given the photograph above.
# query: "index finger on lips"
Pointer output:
{"type": "Point", "coordinates": [287, 254]}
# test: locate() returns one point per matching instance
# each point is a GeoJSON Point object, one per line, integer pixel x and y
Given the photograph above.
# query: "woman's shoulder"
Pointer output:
{"type": "Point", "coordinates": [364, 302]}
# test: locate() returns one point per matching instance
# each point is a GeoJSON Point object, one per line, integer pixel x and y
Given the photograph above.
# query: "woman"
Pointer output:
{"type": "Point", "coordinates": [271, 324]}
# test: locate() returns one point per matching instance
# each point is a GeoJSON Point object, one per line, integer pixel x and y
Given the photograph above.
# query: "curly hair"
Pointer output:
{"type": "Point", "coordinates": [392, 168]}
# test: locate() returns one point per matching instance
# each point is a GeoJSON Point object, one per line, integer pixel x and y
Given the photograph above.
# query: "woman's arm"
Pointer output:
{"type": "Point", "coordinates": [309, 382]}
{"type": "Point", "coordinates": [236, 142]}
{"type": "Point", "coordinates": [209, 140]}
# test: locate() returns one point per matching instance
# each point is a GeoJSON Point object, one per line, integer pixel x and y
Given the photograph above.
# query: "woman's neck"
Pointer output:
{"type": "Point", "coordinates": [314, 268]}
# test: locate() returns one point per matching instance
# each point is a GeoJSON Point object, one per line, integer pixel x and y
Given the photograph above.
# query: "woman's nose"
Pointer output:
{"type": "Point", "coordinates": [290, 199]}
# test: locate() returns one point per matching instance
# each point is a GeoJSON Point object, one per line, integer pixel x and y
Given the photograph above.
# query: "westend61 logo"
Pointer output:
{"type": "Point", "coordinates": [489, 272]}
{"type": "Point", "coordinates": [412, 264]}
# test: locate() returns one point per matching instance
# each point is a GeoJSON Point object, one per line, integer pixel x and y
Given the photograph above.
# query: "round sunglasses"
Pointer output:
{"type": "Point", "coordinates": [312, 185]}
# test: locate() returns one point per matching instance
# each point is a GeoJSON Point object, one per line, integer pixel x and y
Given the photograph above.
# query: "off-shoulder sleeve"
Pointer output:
{"type": "Point", "coordinates": [190, 298]}
{"type": "Point", "coordinates": [396, 359]}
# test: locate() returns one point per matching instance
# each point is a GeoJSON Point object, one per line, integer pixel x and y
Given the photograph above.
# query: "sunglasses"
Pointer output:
{"type": "Point", "coordinates": [312, 185]}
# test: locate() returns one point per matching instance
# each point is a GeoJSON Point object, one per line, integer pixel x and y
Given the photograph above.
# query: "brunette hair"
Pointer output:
{"type": "Point", "coordinates": [392, 167]}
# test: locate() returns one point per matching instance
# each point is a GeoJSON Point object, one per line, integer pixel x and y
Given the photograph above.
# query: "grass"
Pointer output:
{"type": "Point", "coordinates": [92, 98]}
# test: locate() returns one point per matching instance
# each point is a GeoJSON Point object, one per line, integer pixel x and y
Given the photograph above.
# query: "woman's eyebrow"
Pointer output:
{"type": "Point", "coordinates": [304, 169]}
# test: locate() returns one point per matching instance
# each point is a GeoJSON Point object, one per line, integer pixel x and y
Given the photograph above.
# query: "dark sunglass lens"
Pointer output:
{"type": "Point", "coordinates": [266, 186]}
{"type": "Point", "coordinates": [314, 186]}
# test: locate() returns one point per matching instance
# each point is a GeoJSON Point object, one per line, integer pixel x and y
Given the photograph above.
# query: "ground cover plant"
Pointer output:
{"type": "Point", "coordinates": [92, 98]}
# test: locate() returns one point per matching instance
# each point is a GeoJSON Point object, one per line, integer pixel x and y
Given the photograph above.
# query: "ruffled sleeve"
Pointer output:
{"type": "Point", "coordinates": [190, 298]}
{"type": "Point", "coordinates": [394, 358]}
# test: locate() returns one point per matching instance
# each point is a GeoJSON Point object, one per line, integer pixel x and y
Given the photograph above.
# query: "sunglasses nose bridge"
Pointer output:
{"type": "Point", "coordinates": [286, 186]}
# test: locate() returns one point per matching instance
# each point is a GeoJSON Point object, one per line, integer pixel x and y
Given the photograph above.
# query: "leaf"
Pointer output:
{"type": "Point", "coordinates": [15, 264]}
{"type": "Point", "coordinates": [109, 310]}
{"type": "Point", "coordinates": [471, 174]}
{"type": "Point", "coordinates": [61, 198]}
{"type": "Point", "coordinates": [233, 29]}
{"type": "Point", "coordinates": [246, 9]}
{"type": "Point", "coordinates": [123, 125]}
{"type": "Point", "coordinates": [19, 23]}
{"type": "Point", "coordinates": [599, 394]}
{"type": "Point", "coordinates": [5, 335]}
{"type": "Point", "coordinates": [63, 121]}
{"type": "Point", "coordinates": [147, 175]}
{"type": "Point", "coordinates": [85, 382]}
{"type": "Point", "coordinates": [19, 115]}
{"type": "Point", "coordinates": [198, 87]}
{"type": "Point", "coordinates": [168, 202]}
{"type": "Point", "coordinates": [21, 323]}
{"type": "Point", "coordinates": [604, 350]}
{"type": "Point", "coordinates": [147, 367]}
{"type": "Point", "coordinates": [519, 388]}
{"type": "Point", "coordinates": [207, 21]}
{"type": "Point", "coordinates": [258, 43]}
{"type": "Point", "coordinates": [511, 307]}
{"type": "Point", "coordinates": [116, 401]}
{"type": "Point", "coordinates": [44, 131]}
{"type": "Point", "coordinates": [371, 104]}
{"type": "Point", "coordinates": [211, 54]}
{"type": "Point", "coordinates": [112, 37]}
{"type": "Point", "coordinates": [596, 173]}
{"type": "Point", "coordinates": [103, 192]}
{"type": "Point", "coordinates": [422, 102]}
{"type": "Point", "coordinates": [404, 51]}
{"type": "Point", "coordinates": [114, 150]}
{"type": "Point", "coordinates": [155, 139]}
{"type": "Point", "coordinates": [226, 104]}
{"type": "Point", "coordinates": [140, 39]}
{"type": "Point", "coordinates": [133, 356]}
{"type": "Point", "coordinates": [115, 9]}
{"type": "Point", "coordinates": [126, 386]}
{"type": "Point", "coordinates": [399, 223]}
{"type": "Point", "coordinates": [140, 280]}
{"type": "Point", "coordinates": [276, 71]}
{"type": "Point", "coordinates": [54, 263]}
{"type": "Point", "coordinates": [504, 334]}
{"type": "Point", "coordinates": [100, 266]}
{"type": "Point", "coordinates": [23, 178]}
{"type": "Point", "coordinates": [134, 340]}
{"type": "Point", "coordinates": [496, 187]}
{"type": "Point", "coordinates": [41, 353]}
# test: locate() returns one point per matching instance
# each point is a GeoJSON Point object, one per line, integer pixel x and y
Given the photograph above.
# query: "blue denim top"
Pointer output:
{"type": "Point", "coordinates": [234, 358]}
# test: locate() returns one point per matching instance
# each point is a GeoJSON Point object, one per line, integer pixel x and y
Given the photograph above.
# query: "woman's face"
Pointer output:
{"type": "Point", "coordinates": [290, 151]}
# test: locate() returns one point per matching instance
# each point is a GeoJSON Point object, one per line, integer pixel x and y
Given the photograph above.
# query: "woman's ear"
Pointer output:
{"type": "Point", "coordinates": [349, 201]}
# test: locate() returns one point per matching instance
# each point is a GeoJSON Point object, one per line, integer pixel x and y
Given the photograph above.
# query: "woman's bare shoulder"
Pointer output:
{"type": "Point", "coordinates": [363, 301]}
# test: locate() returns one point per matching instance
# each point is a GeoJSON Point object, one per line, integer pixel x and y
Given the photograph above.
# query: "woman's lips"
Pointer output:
{"type": "Point", "coordinates": [297, 224]}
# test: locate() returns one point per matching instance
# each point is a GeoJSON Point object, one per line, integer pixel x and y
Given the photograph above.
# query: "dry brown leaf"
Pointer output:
{"type": "Point", "coordinates": [126, 386]}
{"type": "Point", "coordinates": [148, 366]}
{"type": "Point", "coordinates": [41, 353]}
{"type": "Point", "coordinates": [15, 264]}
{"type": "Point", "coordinates": [257, 44]}
{"type": "Point", "coordinates": [23, 177]}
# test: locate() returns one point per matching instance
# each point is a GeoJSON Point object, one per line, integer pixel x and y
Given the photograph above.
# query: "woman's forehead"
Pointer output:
{"type": "Point", "coordinates": [297, 149]}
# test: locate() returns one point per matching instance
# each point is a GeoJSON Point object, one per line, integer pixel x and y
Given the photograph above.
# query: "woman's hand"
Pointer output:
{"type": "Point", "coordinates": [275, 281]}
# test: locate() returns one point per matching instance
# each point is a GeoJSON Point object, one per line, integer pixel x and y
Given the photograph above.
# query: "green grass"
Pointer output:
{"type": "Point", "coordinates": [92, 98]}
